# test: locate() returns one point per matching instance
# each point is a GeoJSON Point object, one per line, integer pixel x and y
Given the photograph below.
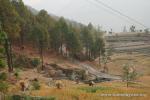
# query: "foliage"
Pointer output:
{"type": "Point", "coordinates": [18, 97]}
{"type": "Point", "coordinates": [36, 85]}
{"type": "Point", "coordinates": [129, 73]}
{"type": "Point", "coordinates": [93, 89]}
{"type": "Point", "coordinates": [3, 87]}
{"type": "Point", "coordinates": [9, 18]}
{"type": "Point", "coordinates": [2, 50]}
{"type": "Point", "coordinates": [146, 31]}
{"type": "Point", "coordinates": [2, 63]}
{"type": "Point", "coordinates": [60, 35]}
{"type": "Point", "coordinates": [16, 73]}
{"type": "Point", "coordinates": [35, 62]}
{"type": "Point", "coordinates": [24, 61]}
{"type": "Point", "coordinates": [132, 28]}
{"type": "Point", "coordinates": [3, 76]}
{"type": "Point", "coordinates": [5, 42]}
{"type": "Point", "coordinates": [21, 61]}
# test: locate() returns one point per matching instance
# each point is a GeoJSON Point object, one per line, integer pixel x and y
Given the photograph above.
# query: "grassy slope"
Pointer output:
{"type": "Point", "coordinates": [71, 91]}
{"type": "Point", "coordinates": [141, 63]}
{"type": "Point", "coordinates": [84, 92]}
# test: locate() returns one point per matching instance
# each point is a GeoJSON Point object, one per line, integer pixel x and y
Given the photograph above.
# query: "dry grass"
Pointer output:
{"type": "Point", "coordinates": [72, 91]}
{"type": "Point", "coordinates": [140, 62]}
{"type": "Point", "coordinates": [84, 92]}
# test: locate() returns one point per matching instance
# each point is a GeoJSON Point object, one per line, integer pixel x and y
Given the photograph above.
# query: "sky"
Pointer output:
{"type": "Point", "coordinates": [85, 11]}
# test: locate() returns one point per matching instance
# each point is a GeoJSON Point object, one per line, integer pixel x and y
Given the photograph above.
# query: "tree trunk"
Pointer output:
{"type": "Point", "coordinates": [11, 57]}
{"type": "Point", "coordinates": [127, 81]}
{"type": "Point", "coordinates": [8, 55]}
{"type": "Point", "coordinates": [42, 58]}
{"type": "Point", "coordinates": [100, 60]}
{"type": "Point", "coordinates": [21, 40]}
{"type": "Point", "coordinates": [127, 84]}
{"type": "Point", "coordinates": [41, 54]}
{"type": "Point", "coordinates": [61, 47]}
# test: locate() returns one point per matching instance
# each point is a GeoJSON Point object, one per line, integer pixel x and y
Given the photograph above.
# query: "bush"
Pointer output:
{"type": "Point", "coordinates": [16, 74]}
{"type": "Point", "coordinates": [19, 97]}
{"type": "Point", "coordinates": [21, 60]}
{"type": "Point", "coordinates": [3, 87]}
{"type": "Point", "coordinates": [44, 98]}
{"type": "Point", "coordinates": [93, 89]}
{"type": "Point", "coordinates": [24, 61]}
{"type": "Point", "coordinates": [3, 76]}
{"type": "Point", "coordinates": [2, 50]}
{"type": "Point", "coordinates": [36, 85]}
{"type": "Point", "coordinates": [35, 62]}
{"type": "Point", "coordinates": [129, 73]}
{"type": "Point", "coordinates": [16, 97]}
{"type": "Point", "coordinates": [2, 64]}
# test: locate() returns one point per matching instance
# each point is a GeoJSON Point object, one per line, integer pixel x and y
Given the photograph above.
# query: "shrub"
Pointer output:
{"type": "Point", "coordinates": [2, 64]}
{"type": "Point", "coordinates": [129, 73]}
{"type": "Point", "coordinates": [2, 50]}
{"type": "Point", "coordinates": [35, 62]}
{"type": "Point", "coordinates": [16, 74]}
{"type": "Point", "coordinates": [16, 97]}
{"type": "Point", "coordinates": [3, 76]}
{"type": "Point", "coordinates": [19, 97]}
{"type": "Point", "coordinates": [3, 87]}
{"type": "Point", "coordinates": [36, 85]}
{"type": "Point", "coordinates": [21, 60]}
{"type": "Point", "coordinates": [93, 89]}
{"type": "Point", "coordinates": [44, 98]}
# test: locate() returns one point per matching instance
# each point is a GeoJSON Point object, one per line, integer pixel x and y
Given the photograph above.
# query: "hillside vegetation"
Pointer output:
{"type": "Point", "coordinates": [45, 57]}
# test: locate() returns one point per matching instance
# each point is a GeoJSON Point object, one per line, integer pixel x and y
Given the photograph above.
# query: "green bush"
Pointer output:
{"type": "Point", "coordinates": [3, 76]}
{"type": "Point", "coordinates": [16, 74]}
{"type": "Point", "coordinates": [2, 50]}
{"type": "Point", "coordinates": [3, 87]}
{"type": "Point", "coordinates": [36, 85]}
{"type": "Point", "coordinates": [93, 89]}
{"type": "Point", "coordinates": [35, 62]}
{"type": "Point", "coordinates": [16, 97]}
{"type": "Point", "coordinates": [19, 97]}
{"type": "Point", "coordinates": [2, 64]}
{"type": "Point", "coordinates": [44, 98]}
{"type": "Point", "coordinates": [22, 61]}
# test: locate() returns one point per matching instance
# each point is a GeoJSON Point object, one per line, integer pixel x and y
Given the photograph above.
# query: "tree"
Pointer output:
{"type": "Point", "coordinates": [45, 20]}
{"type": "Point", "coordinates": [24, 17]}
{"type": "Point", "coordinates": [73, 43]}
{"type": "Point", "coordinates": [9, 19]}
{"type": "Point", "coordinates": [129, 73]}
{"type": "Point", "coordinates": [41, 30]}
{"type": "Point", "coordinates": [8, 49]}
{"type": "Point", "coordinates": [59, 35]}
{"type": "Point", "coordinates": [39, 35]}
{"type": "Point", "coordinates": [93, 42]}
{"type": "Point", "coordinates": [87, 39]}
{"type": "Point", "coordinates": [41, 47]}
{"type": "Point", "coordinates": [54, 39]}
{"type": "Point", "coordinates": [132, 28]}
{"type": "Point", "coordinates": [146, 30]}
{"type": "Point", "coordinates": [99, 48]}
{"type": "Point", "coordinates": [63, 30]}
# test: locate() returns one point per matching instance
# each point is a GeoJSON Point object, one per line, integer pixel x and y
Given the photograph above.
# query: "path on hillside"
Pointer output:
{"type": "Point", "coordinates": [96, 72]}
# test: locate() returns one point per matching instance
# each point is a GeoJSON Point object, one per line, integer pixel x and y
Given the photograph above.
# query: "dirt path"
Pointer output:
{"type": "Point", "coordinates": [95, 72]}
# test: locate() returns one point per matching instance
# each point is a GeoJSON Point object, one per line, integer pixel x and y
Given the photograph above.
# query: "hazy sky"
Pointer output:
{"type": "Point", "coordinates": [86, 11]}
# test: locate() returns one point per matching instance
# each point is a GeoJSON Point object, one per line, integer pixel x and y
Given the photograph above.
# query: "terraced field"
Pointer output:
{"type": "Point", "coordinates": [137, 42]}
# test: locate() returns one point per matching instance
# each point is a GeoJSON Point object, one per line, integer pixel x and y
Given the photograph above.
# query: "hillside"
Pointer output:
{"type": "Point", "coordinates": [130, 42]}
{"type": "Point", "coordinates": [46, 57]}
{"type": "Point", "coordinates": [82, 91]}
